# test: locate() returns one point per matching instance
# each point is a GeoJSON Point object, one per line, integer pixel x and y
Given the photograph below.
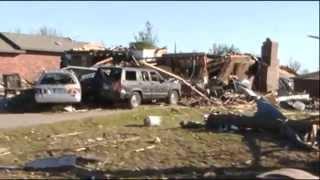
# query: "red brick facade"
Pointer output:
{"type": "Point", "coordinates": [28, 65]}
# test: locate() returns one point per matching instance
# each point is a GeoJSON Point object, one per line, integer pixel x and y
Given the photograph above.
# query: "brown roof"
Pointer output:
{"type": "Point", "coordinates": [38, 42]}
{"type": "Point", "coordinates": [6, 48]}
{"type": "Point", "coordinates": [313, 75]}
{"type": "Point", "coordinates": [285, 74]}
{"type": "Point", "coordinates": [288, 69]}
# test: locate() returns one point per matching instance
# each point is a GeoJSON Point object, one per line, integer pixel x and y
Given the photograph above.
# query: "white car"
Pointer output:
{"type": "Point", "coordinates": [58, 86]}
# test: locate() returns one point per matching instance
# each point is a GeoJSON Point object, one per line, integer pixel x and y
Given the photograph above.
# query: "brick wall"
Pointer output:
{"type": "Point", "coordinates": [268, 75]}
{"type": "Point", "coordinates": [28, 65]}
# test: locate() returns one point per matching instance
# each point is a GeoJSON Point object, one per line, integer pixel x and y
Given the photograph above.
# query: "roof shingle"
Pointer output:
{"type": "Point", "coordinates": [313, 75]}
{"type": "Point", "coordinates": [6, 48]}
{"type": "Point", "coordinates": [40, 43]}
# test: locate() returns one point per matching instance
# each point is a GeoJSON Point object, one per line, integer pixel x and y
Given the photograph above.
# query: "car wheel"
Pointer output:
{"type": "Point", "coordinates": [173, 98]}
{"type": "Point", "coordinates": [135, 100]}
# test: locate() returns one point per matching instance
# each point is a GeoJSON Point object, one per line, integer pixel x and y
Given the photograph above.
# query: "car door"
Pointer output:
{"type": "Point", "coordinates": [157, 87]}
{"type": "Point", "coordinates": [163, 88]}
{"type": "Point", "coordinates": [131, 81]}
{"type": "Point", "coordinates": [145, 84]}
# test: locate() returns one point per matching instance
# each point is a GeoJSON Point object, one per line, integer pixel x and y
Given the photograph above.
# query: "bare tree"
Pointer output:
{"type": "Point", "coordinates": [223, 49]}
{"type": "Point", "coordinates": [17, 30]}
{"type": "Point", "coordinates": [294, 65]}
{"type": "Point", "coordinates": [305, 71]}
{"type": "Point", "coordinates": [47, 31]}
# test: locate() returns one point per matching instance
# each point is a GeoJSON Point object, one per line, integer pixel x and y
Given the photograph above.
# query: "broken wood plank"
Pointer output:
{"type": "Point", "coordinates": [5, 153]}
{"type": "Point", "coordinates": [104, 61]}
{"type": "Point", "coordinates": [10, 167]}
{"type": "Point", "coordinates": [135, 61]}
{"type": "Point", "coordinates": [2, 150]}
{"type": "Point", "coordinates": [143, 149]}
{"type": "Point", "coordinates": [67, 134]}
{"type": "Point", "coordinates": [293, 97]}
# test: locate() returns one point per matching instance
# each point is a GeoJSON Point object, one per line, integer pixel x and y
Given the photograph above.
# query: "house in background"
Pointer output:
{"type": "Point", "coordinates": [147, 53]}
{"type": "Point", "coordinates": [308, 82]}
{"type": "Point", "coordinates": [28, 55]}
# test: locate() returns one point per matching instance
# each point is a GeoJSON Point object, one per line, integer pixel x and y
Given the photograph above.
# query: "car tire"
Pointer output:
{"type": "Point", "coordinates": [135, 100]}
{"type": "Point", "coordinates": [173, 98]}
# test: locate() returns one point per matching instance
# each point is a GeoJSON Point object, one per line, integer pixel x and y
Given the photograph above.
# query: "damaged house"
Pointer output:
{"type": "Point", "coordinates": [308, 83]}
{"type": "Point", "coordinates": [201, 68]}
{"type": "Point", "coordinates": [205, 72]}
{"type": "Point", "coordinates": [28, 55]}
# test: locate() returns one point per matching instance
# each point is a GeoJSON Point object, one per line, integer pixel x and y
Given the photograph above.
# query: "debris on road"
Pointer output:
{"type": "Point", "coordinates": [157, 140]}
{"type": "Point", "coordinates": [61, 163]}
{"type": "Point", "coordinates": [143, 149]}
{"type": "Point", "coordinates": [67, 134]}
{"type": "Point", "coordinates": [69, 109]}
{"type": "Point", "coordinates": [65, 162]}
{"type": "Point", "coordinates": [4, 151]}
{"type": "Point", "coordinates": [289, 173]}
{"type": "Point", "coordinates": [268, 118]}
{"type": "Point", "coordinates": [191, 124]}
{"type": "Point", "coordinates": [305, 97]}
{"type": "Point", "coordinates": [298, 105]}
{"type": "Point", "coordinates": [152, 121]}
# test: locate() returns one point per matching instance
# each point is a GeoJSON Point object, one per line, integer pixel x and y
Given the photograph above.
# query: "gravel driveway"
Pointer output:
{"type": "Point", "coordinates": [31, 119]}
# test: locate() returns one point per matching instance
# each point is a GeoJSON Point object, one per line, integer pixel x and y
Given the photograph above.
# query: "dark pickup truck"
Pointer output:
{"type": "Point", "coordinates": [134, 85]}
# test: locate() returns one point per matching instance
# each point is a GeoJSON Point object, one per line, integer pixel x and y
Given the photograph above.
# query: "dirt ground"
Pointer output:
{"type": "Point", "coordinates": [127, 149]}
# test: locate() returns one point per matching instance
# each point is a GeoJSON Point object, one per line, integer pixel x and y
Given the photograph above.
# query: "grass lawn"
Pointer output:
{"type": "Point", "coordinates": [118, 140]}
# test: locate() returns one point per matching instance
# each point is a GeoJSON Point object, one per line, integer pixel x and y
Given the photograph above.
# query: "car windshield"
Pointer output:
{"type": "Point", "coordinates": [57, 78]}
{"type": "Point", "coordinates": [112, 73]}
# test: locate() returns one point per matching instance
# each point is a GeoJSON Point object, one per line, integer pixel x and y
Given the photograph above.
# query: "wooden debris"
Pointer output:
{"type": "Point", "coordinates": [150, 147]}
{"type": "Point", "coordinates": [104, 61]}
{"type": "Point", "coordinates": [157, 140]}
{"type": "Point", "coordinates": [2, 150]}
{"type": "Point", "coordinates": [139, 150]}
{"type": "Point", "coordinates": [287, 173]}
{"type": "Point", "coordinates": [270, 119]}
{"type": "Point", "coordinates": [5, 153]}
{"type": "Point", "coordinates": [10, 167]}
{"type": "Point", "coordinates": [294, 97]}
{"type": "Point", "coordinates": [80, 149]}
{"type": "Point", "coordinates": [143, 149]}
{"type": "Point", "coordinates": [65, 135]}
{"type": "Point", "coordinates": [103, 143]}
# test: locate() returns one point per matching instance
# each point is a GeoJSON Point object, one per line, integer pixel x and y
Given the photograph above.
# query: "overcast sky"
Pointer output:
{"type": "Point", "coordinates": [194, 26]}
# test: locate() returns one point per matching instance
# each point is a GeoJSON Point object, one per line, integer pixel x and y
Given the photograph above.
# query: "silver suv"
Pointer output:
{"type": "Point", "coordinates": [133, 85]}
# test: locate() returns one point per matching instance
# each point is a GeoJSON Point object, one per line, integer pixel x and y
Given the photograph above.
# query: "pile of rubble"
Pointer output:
{"type": "Point", "coordinates": [302, 133]}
